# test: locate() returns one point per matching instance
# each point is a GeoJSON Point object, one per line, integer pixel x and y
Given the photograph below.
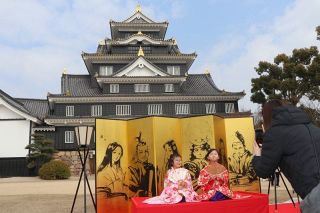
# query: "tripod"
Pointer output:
{"type": "Point", "coordinates": [275, 188]}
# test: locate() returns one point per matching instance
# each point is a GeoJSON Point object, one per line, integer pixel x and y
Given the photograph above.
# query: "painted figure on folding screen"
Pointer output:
{"type": "Point", "coordinates": [177, 185]}
{"type": "Point", "coordinates": [169, 148]}
{"type": "Point", "coordinates": [197, 161]}
{"type": "Point", "coordinates": [240, 167]}
{"type": "Point", "coordinates": [222, 152]}
{"type": "Point", "coordinates": [110, 176]}
{"type": "Point", "coordinates": [142, 173]}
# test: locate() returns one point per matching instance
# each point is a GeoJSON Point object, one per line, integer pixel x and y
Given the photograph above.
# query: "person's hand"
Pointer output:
{"type": "Point", "coordinates": [256, 149]}
{"type": "Point", "coordinates": [181, 184]}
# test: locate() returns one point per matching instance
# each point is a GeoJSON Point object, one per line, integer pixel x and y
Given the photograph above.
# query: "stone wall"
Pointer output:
{"type": "Point", "coordinates": [73, 160]}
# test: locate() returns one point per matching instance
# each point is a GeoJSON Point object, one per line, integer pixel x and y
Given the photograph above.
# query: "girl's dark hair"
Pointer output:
{"type": "Point", "coordinates": [174, 149]}
{"type": "Point", "coordinates": [107, 160]}
{"type": "Point", "coordinates": [171, 159]}
{"type": "Point", "coordinates": [211, 150]}
{"type": "Point", "coordinates": [267, 111]}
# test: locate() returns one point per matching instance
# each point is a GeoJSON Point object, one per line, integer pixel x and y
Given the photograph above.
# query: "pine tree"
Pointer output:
{"type": "Point", "coordinates": [40, 151]}
{"type": "Point", "coordinates": [290, 77]}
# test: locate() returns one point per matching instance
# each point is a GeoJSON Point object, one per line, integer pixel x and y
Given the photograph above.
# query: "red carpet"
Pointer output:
{"type": "Point", "coordinates": [285, 208]}
{"type": "Point", "coordinates": [257, 203]}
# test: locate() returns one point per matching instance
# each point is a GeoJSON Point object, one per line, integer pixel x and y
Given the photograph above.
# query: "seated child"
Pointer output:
{"type": "Point", "coordinates": [177, 185]}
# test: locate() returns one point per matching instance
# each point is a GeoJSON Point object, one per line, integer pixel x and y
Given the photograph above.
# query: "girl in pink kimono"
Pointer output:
{"type": "Point", "coordinates": [177, 185]}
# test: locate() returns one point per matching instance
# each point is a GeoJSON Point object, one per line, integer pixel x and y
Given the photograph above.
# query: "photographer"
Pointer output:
{"type": "Point", "coordinates": [292, 143]}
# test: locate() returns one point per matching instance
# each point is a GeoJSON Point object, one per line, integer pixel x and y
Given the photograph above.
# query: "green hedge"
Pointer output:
{"type": "Point", "coordinates": [54, 169]}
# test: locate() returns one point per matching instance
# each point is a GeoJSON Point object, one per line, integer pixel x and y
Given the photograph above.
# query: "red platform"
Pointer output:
{"type": "Point", "coordinates": [257, 203]}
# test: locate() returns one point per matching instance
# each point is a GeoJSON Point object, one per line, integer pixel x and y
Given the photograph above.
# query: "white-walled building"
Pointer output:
{"type": "Point", "coordinates": [18, 117]}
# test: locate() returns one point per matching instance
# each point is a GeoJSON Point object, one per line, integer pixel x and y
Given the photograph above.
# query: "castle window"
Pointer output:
{"type": "Point", "coordinates": [96, 110]}
{"type": "Point", "coordinates": [126, 35]}
{"type": "Point", "coordinates": [123, 109]}
{"type": "Point", "coordinates": [133, 49]}
{"type": "Point", "coordinates": [168, 88]}
{"type": "Point", "coordinates": [154, 109]}
{"type": "Point", "coordinates": [229, 107]}
{"type": "Point", "coordinates": [141, 88]}
{"type": "Point", "coordinates": [182, 109]}
{"type": "Point", "coordinates": [69, 136]}
{"type": "Point", "coordinates": [69, 110]}
{"type": "Point", "coordinates": [210, 108]}
{"type": "Point", "coordinates": [114, 88]}
{"type": "Point", "coordinates": [173, 70]}
{"type": "Point", "coordinates": [105, 70]}
{"type": "Point", "coordinates": [146, 50]}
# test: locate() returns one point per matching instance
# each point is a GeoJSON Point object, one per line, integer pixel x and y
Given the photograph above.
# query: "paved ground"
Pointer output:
{"type": "Point", "coordinates": [282, 193]}
{"type": "Point", "coordinates": [31, 194]}
{"type": "Point", "coordinates": [34, 195]}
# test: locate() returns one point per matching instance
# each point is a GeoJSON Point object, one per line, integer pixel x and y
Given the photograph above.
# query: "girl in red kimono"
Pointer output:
{"type": "Point", "coordinates": [214, 179]}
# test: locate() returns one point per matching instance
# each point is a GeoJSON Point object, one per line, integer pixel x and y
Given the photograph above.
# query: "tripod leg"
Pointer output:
{"type": "Point", "coordinates": [287, 189]}
{"type": "Point", "coordinates": [275, 192]}
{"type": "Point", "coordinates": [269, 186]}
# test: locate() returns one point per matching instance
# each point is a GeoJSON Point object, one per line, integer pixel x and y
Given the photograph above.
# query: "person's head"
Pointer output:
{"type": "Point", "coordinates": [267, 111]}
{"type": "Point", "coordinates": [199, 151]}
{"type": "Point", "coordinates": [170, 147]}
{"type": "Point", "coordinates": [175, 161]}
{"type": "Point", "coordinates": [238, 148]}
{"type": "Point", "coordinates": [112, 156]}
{"type": "Point", "coordinates": [142, 152]}
{"type": "Point", "coordinates": [212, 155]}
{"type": "Point", "coordinates": [238, 145]}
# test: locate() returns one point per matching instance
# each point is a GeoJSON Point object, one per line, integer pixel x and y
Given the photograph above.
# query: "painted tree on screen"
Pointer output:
{"type": "Point", "coordinates": [290, 77]}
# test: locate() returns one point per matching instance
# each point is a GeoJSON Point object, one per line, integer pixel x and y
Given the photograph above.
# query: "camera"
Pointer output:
{"type": "Point", "coordinates": [259, 136]}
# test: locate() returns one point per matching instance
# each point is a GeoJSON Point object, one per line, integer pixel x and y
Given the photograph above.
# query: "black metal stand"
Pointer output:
{"type": "Point", "coordinates": [85, 181]}
{"type": "Point", "coordinates": [275, 188]}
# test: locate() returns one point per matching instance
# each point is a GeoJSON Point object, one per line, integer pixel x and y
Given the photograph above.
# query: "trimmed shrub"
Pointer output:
{"type": "Point", "coordinates": [53, 170]}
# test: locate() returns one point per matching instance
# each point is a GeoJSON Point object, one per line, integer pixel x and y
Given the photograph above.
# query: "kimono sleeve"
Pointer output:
{"type": "Point", "coordinates": [203, 178]}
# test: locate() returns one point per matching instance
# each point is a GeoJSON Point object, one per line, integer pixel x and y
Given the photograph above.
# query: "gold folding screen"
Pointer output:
{"type": "Point", "coordinates": [132, 156]}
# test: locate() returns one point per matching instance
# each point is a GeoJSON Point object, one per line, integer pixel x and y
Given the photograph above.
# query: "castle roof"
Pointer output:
{"type": "Point", "coordinates": [194, 84]}
{"type": "Point", "coordinates": [32, 109]}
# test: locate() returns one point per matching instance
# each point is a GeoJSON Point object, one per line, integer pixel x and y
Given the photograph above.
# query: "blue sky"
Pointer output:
{"type": "Point", "coordinates": [38, 39]}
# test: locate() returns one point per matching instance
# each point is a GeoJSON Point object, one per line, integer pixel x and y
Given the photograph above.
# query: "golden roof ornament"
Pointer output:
{"type": "Point", "coordinates": [174, 41]}
{"type": "Point", "coordinates": [68, 93]}
{"type": "Point", "coordinates": [186, 74]}
{"type": "Point", "coordinates": [140, 52]}
{"type": "Point", "coordinates": [206, 71]}
{"type": "Point", "coordinates": [139, 33]}
{"type": "Point", "coordinates": [64, 71]}
{"type": "Point", "coordinates": [138, 8]}
{"type": "Point", "coordinates": [102, 42]}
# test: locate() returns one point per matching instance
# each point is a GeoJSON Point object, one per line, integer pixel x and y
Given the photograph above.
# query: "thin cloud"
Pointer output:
{"type": "Point", "coordinates": [295, 28]}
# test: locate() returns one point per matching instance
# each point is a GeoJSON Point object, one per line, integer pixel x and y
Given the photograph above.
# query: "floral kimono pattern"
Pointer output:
{"type": "Point", "coordinates": [172, 193]}
{"type": "Point", "coordinates": [211, 183]}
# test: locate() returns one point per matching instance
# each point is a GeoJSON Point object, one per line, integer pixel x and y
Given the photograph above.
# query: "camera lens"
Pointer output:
{"type": "Point", "coordinates": [259, 136]}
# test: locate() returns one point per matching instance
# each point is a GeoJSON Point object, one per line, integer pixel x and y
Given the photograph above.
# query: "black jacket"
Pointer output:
{"type": "Point", "coordinates": [287, 144]}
